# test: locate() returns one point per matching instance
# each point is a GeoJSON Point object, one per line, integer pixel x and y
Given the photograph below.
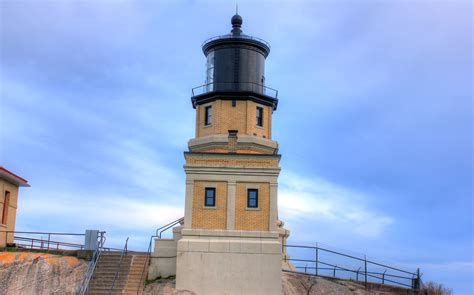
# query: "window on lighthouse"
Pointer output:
{"type": "Point", "coordinates": [210, 197]}
{"type": "Point", "coordinates": [210, 72]}
{"type": "Point", "coordinates": [208, 115]}
{"type": "Point", "coordinates": [252, 198]}
{"type": "Point", "coordinates": [259, 116]}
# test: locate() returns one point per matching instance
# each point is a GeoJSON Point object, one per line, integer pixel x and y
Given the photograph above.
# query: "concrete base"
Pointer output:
{"type": "Point", "coordinates": [229, 262]}
{"type": "Point", "coordinates": [163, 258]}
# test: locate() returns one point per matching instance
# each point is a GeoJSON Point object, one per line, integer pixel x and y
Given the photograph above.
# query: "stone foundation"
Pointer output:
{"type": "Point", "coordinates": [229, 262]}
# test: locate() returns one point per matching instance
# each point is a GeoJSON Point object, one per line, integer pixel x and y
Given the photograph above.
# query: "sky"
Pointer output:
{"type": "Point", "coordinates": [374, 119]}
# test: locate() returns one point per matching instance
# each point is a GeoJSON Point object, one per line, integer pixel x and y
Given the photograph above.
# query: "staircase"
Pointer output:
{"type": "Point", "coordinates": [128, 279]}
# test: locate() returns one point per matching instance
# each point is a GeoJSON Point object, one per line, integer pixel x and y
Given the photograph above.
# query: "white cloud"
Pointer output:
{"type": "Point", "coordinates": [319, 201]}
{"type": "Point", "coordinates": [111, 212]}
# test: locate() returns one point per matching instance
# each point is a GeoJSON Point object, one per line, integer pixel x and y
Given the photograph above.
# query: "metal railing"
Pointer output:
{"type": "Point", "coordinates": [158, 234]}
{"type": "Point", "coordinates": [235, 87]}
{"type": "Point", "coordinates": [124, 252]}
{"type": "Point", "coordinates": [92, 264]}
{"type": "Point", "coordinates": [380, 273]}
{"type": "Point", "coordinates": [237, 37]}
{"type": "Point", "coordinates": [41, 240]}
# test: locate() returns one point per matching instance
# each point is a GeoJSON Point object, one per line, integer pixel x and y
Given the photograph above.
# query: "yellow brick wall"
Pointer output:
{"type": "Point", "coordinates": [231, 162]}
{"type": "Point", "coordinates": [251, 219]}
{"type": "Point", "coordinates": [232, 118]}
{"type": "Point", "coordinates": [201, 129]}
{"type": "Point", "coordinates": [11, 218]}
{"type": "Point", "coordinates": [209, 218]}
{"type": "Point", "coordinates": [242, 117]}
{"type": "Point", "coordinates": [225, 151]}
{"type": "Point", "coordinates": [253, 129]}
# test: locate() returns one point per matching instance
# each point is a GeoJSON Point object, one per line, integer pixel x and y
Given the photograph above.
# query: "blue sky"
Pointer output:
{"type": "Point", "coordinates": [374, 120]}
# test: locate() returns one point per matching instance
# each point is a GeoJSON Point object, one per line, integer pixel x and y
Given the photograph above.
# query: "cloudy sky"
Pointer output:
{"type": "Point", "coordinates": [374, 120]}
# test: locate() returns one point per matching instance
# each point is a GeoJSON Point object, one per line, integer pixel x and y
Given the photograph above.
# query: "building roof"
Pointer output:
{"type": "Point", "coordinates": [12, 177]}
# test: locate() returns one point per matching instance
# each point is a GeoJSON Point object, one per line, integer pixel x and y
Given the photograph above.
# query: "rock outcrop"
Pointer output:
{"type": "Point", "coordinates": [294, 284]}
{"type": "Point", "coordinates": [39, 273]}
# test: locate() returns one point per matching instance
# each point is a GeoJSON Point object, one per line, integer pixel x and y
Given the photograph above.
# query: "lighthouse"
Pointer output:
{"type": "Point", "coordinates": [231, 239]}
{"type": "Point", "coordinates": [230, 242]}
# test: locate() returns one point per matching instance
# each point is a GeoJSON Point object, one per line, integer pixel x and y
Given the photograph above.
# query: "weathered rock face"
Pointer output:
{"type": "Point", "coordinates": [295, 284]}
{"type": "Point", "coordinates": [292, 284]}
{"type": "Point", "coordinates": [164, 287]}
{"type": "Point", "coordinates": [38, 273]}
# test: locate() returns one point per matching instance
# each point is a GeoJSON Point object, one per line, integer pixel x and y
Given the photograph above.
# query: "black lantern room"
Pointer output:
{"type": "Point", "coordinates": [235, 68]}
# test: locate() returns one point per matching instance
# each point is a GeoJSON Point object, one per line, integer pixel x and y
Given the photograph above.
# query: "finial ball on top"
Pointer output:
{"type": "Point", "coordinates": [236, 20]}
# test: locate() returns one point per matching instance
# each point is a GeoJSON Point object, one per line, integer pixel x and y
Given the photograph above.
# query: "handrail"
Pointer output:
{"type": "Point", "coordinates": [414, 277]}
{"type": "Point", "coordinates": [124, 251]}
{"type": "Point", "coordinates": [44, 243]}
{"type": "Point", "coordinates": [158, 233]}
{"type": "Point", "coordinates": [92, 264]}
{"type": "Point", "coordinates": [42, 233]}
{"type": "Point", "coordinates": [168, 226]}
{"type": "Point", "coordinates": [349, 256]}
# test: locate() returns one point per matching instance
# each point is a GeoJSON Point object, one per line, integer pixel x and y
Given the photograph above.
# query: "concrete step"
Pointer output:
{"type": "Point", "coordinates": [131, 274]}
{"type": "Point", "coordinates": [120, 273]}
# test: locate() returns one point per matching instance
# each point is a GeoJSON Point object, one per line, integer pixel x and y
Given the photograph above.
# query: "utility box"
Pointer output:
{"type": "Point", "coordinates": [91, 238]}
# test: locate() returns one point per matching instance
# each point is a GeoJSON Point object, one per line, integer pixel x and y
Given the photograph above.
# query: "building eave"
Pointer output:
{"type": "Point", "coordinates": [11, 177]}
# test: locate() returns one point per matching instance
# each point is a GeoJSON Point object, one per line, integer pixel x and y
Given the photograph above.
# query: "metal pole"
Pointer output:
{"type": "Point", "coordinates": [383, 277]}
{"type": "Point", "coordinates": [417, 286]}
{"type": "Point", "coordinates": [365, 270]}
{"type": "Point", "coordinates": [317, 252]}
{"type": "Point", "coordinates": [49, 239]}
{"type": "Point", "coordinates": [357, 275]}
{"type": "Point", "coordinates": [334, 274]}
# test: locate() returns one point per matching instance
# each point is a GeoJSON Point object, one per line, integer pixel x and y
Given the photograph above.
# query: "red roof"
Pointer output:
{"type": "Point", "coordinates": [12, 177]}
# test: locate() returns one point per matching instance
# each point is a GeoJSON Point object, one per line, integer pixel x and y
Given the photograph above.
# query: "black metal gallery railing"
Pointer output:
{"type": "Point", "coordinates": [237, 37]}
{"type": "Point", "coordinates": [235, 87]}
{"type": "Point", "coordinates": [323, 262]}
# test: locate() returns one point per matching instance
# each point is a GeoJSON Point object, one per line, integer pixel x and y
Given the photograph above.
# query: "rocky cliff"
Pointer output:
{"type": "Point", "coordinates": [296, 284]}
{"type": "Point", "coordinates": [39, 273]}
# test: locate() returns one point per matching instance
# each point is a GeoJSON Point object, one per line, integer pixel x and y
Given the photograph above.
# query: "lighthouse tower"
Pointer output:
{"type": "Point", "coordinates": [229, 241]}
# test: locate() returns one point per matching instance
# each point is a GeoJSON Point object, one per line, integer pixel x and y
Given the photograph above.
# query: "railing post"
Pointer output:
{"type": "Point", "coordinates": [334, 274]}
{"type": "Point", "coordinates": [357, 274]}
{"type": "Point", "coordinates": [383, 277]}
{"type": "Point", "coordinates": [317, 254]}
{"type": "Point", "coordinates": [49, 239]}
{"type": "Point", "coordinates": [365, 270]}
{"type": "Point", "coordinates": [417, 280]}
{"type": "Point", "coordinates": [305, 266]}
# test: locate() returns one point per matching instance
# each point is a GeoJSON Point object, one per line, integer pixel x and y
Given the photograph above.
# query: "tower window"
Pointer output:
{"type": "Point", "coordinates": [208, 115]}
{"type": "Point", "coordinates": [259, 116]}
{"type": "Point", "coordinates": [252, 198]}
{"type": "Point", "coordinates": [210, 197]}
{"type": "Point", "coordinates": [6, 204]}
